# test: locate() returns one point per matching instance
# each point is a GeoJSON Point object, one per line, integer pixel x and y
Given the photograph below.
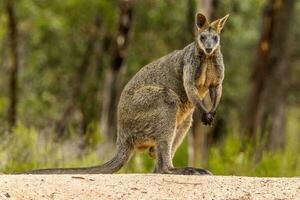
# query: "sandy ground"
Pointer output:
{"type": "Point", "coordinates": [146, 186]}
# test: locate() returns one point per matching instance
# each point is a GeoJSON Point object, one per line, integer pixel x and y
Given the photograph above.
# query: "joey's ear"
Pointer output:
{"type": "Point", "coordinates": [218, 24]}
{"type": "Point", "coordinates": [201, 21]}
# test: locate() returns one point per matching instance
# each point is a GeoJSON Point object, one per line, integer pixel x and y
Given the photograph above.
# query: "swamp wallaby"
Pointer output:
{"type": "Point", "coordinates": [156, 106]}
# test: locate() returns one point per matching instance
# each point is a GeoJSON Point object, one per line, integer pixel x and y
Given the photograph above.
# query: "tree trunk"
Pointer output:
{"type": "Point", "coordinates": [266, 108]}
{"type": "Point", "coordinates": [112, 83]}
{"type": "Point", "coordinates": [78, 80]}
{"type": "Point", "coordinates": [188, 26]}
{"type": "Point", "coordinates": [206, 7]}
{"type": "Point", "coordinates": [14, 64]}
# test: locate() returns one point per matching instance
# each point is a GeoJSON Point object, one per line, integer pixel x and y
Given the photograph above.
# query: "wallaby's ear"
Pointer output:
{"type": "Point", "coordinates": [218, 24]}
{"type": "Point", "coordinates": [201, 21]}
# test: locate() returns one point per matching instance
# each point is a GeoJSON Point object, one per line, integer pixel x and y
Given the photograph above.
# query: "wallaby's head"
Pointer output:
{"type": "Point", "coordinates": [208, 34]}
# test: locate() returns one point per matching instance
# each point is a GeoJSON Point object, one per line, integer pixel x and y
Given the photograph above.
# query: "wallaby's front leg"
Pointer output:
{"type": "Point", "coordinates": [189, 83]}
{"type": "Point", "coordinates": [215, 96]}
{"type": "Point", "coordinates": [215, 91]}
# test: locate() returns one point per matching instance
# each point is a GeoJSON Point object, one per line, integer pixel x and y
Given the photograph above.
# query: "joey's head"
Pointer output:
{"type": "Point", "coordinates": [208, 34]}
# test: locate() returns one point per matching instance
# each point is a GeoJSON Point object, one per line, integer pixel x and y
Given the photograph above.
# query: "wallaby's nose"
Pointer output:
{"type": "Point", "coordinates": [208, 50]}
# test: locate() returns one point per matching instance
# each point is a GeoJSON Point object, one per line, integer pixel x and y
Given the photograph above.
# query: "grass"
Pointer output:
{"type": "Point", "coordinates": [25, 149]}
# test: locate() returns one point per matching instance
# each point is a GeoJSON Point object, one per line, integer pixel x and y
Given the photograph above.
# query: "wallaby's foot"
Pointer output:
{"type": "Point", "coordinates": [191, 171]}
{"type": "Point", "coordinates": [184, 171]}
{"type": "Point", "coordinates": [202, 171]}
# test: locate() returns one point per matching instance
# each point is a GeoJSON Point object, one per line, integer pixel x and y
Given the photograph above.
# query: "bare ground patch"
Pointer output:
{"type": "Point", "coordinates": [146, 186]}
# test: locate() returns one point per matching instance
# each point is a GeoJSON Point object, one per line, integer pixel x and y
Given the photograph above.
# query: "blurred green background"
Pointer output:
{"type": "Point", "coordinates": [64, 63]}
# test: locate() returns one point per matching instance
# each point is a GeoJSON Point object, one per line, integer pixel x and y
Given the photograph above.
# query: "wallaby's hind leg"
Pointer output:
{"type": "Point", "coordinates": [164, 140]}
{"type": "Point", "coordinates": [181, 132]}
{"type": "Point", "coordinates": [165, 151]}
{"type": "Point", "coordinates": [164, 161]}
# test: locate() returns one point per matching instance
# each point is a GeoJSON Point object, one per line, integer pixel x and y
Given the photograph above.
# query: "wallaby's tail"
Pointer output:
{"type": "Point", "coordinates": [121, 157]}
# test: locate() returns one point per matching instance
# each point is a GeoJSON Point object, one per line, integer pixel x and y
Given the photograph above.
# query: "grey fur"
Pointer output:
{"type": "Point", "coordinates": [156, 106]}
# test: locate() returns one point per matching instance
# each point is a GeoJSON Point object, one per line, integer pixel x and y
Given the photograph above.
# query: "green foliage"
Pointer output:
{"type": "Point", "coordinates": [20, 150]}
{"type": "Point", "coordinates": [140, 163]}
{"type": "Point", "coordinates": [181, 156]}
{"type": "Point", "coordinates": [25, 149]}
{"type": "Point", "coordinates": [228, 158]}
{"type": "Point", "coordinates": [92, 137]}
{"type": "Point", "coordinates": [231, 158]}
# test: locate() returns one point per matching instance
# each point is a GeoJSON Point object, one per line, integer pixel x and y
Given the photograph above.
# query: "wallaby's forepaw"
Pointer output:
{"type": "Point", "coordinates": [207, 118]}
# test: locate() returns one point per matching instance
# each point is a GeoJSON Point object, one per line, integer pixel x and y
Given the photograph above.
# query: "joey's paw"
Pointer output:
{"type": "Point", "coordinates": [207, 118]}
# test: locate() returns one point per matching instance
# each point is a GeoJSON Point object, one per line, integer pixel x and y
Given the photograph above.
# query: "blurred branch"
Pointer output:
{"type": "Point", "coordinates": [79, 78]}
{"type": "Point", "coordinates": [14, 65]}
{"type": "Point", "coordinates": [270, 78]}
{"type": "Point", "coordinates": [112, 83]}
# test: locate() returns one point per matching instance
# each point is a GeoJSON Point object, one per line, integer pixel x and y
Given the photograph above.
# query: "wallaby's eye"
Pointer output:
{"type": "Point", "coordinates": [215, 38]}
{"type": "Point", "coordinates": [202, 37]}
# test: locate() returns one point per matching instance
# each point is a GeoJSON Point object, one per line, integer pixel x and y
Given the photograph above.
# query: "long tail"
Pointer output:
{"type": "Point", "coordinates": [116, 163]}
